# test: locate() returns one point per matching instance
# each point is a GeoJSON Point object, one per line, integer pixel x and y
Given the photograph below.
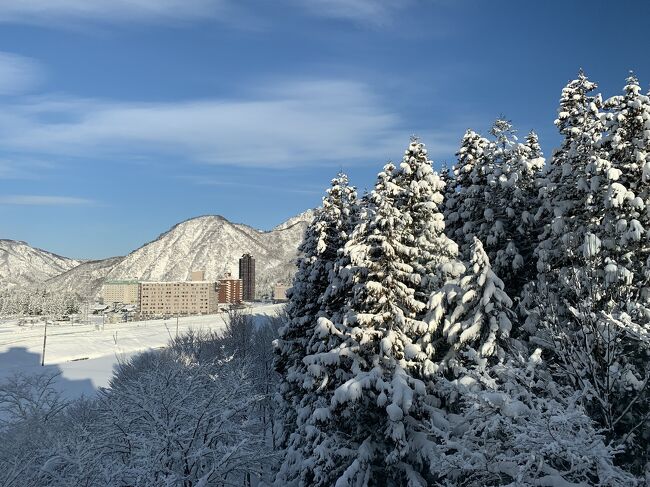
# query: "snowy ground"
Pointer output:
{"type": "Point", "coordinates": [85, 354]}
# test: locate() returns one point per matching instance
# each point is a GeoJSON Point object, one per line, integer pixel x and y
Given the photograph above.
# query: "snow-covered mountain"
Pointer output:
{"type": "Point", "coordinates": [304, 217]}
{"type": "Point", "coordinates": [86, 279]}
{"type": "Point", "coordinates": [23, 265]}
{"type": "Point", "coordinates": [210, 243]}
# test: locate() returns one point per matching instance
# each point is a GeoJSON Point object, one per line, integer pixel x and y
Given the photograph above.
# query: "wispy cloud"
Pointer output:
{"type": "Point", "coordinates": [52, 11]}
{"type": "Point", "coordinates": [23, 168]}
{"type": "Point", "coordinates": [38, 200]}
{"type": "Point", "coordinates": [376, 12]}
{"type": "Point", "coordinates": [18, 74]}
{"type": "Point", "coordinates": [287, 124]}
{"type": "Point", "coordinates": [57, 12]}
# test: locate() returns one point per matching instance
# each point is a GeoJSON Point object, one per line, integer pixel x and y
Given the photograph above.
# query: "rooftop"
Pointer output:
{"type": "Point", "coordinates": [177, 282]}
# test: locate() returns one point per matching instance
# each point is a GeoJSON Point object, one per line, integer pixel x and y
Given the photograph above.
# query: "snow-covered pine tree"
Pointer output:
{"type": "Point", "coordinates": [309, 457]}
{"type": "Point", "coordinates": [626, 239]}
{"type": "Point", "coordinates": [496, 229]}
{"type": "Point", "coordinates": [464, 205]}
{"type": "Point", "coordinates": [510, 424]}
{"type": "Point", "coordinates": [581, 301]}
{"type": "Point", "coordinates": [470, 313]}
{"type": "Point", "coordinates": [446, 175]}
{"type": "Point", "coordinates": [625, 317]}
{"type": "Point", "coordinates": [532, 171]}
{"type": "Point", "coordinates": [326, 234]}
{"type": "Point", "coordinates": [521, 192]}
{"type": "Point", "coordinates": [496, 199]}
{"type": "Point", "coordinates": [511, 204]}
{"type": "Point", "coordinates": [369, 365]}
{"type": "Point", "coordinates": [571, 209]}
{"type": "Point", "coordinates": [532, 143]}
{"type": "Point", "coordinates": [422, 197]}
{"type": "Point", "coordinates": [501, 418]}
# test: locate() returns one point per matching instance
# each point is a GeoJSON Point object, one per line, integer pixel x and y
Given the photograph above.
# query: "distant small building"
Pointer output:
{"type": "Point", "coordinates": [230, 290]}
{"type": "Point", "coordinates": [247, 275]}
{"type": "Point", "coordinates": [100, 309]}
{"type": "Point", "coordinates": [280, 293]}
{"type": "Point", "coordinates": [197, 276]}
{"type": "Point", "coordinates": [125, 292]}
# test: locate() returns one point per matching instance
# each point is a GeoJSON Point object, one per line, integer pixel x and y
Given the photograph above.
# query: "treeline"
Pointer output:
{"type": "Point", "coordinates": [487, 325]}
{"type": "Point", "coordinates": [37, 302]}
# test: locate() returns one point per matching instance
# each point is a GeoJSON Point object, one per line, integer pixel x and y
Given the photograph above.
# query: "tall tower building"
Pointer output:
{"type": "Point", "coordinates": [247, 275]}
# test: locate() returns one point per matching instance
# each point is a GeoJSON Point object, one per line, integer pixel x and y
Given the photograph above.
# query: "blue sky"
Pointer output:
{"type": "Point", "coordinates": [121, 118]}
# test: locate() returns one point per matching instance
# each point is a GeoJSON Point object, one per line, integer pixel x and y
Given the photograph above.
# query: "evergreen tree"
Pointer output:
{"type": "Point", "coordinates": [422, 198]}
{"type": "Point", "coordinates": [510, 204]}
{"type": "Point", "coordinates": [587, 285]}
{"type": "Point", "coordinates": [624, 323]}
{"type": "Point", "coordinates": [464, 207]}
{"type": "Point", "coordinates": [571, 208]}
{"type": "Point", "coordinates": [510, 424]}
{"type": "Point", "coordinates": [371, 370]}
{"type": "Point", "coordinates": [522, 196]}
{"type": "Point", "coordinates": [532, 143]}
{"type": "Point", "coordinates": [496, 200]}
{"type": "Point", "coordinates": [327, 233]}
{"type": "Point", "coordinates": [502, 419]}
{"type": "Point", "coordinates": [470, 313]}
{"type": "Point", "coordinates": [627, 201]}
{"type": "Point", "coordinates": [445, 175]}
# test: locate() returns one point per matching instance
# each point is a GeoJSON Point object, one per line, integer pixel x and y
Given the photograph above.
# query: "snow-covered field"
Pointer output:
{"type": "Point", "coordinates": [85, 354]}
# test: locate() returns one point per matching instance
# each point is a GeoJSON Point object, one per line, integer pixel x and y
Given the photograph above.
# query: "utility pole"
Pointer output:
{"type": "Point", "coordinates": [176, 325]}
{"type": "Point", "coordinates": [44, 341]}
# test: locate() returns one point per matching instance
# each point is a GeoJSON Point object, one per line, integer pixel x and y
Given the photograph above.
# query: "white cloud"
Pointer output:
{"type": "Point", "coordinates": [284, 125]}
{"type": "Point", "coordinates": [22, 168]}
{"type": "Point", "coordinates": [48, 11]}
{"type": "Point", "coordinates": [53, 12]}
{"type": "Point", "coordinates": [37, 200]}
{"type": "Point", "coordinates": [18, 74]}
{"type": "Point", "coordinates": [364, 11]}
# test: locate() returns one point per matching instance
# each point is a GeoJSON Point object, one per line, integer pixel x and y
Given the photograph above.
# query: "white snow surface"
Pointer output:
{"type": "Point", "coordinates": [85, 354]}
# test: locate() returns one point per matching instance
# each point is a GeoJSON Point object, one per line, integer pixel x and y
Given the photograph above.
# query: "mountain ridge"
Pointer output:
{"type": "Point", "coordinates": [21, 264]}
{"type": "Point", "coordinates": [207, 242]}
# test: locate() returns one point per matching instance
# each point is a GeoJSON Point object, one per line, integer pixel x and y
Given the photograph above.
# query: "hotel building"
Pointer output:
{"type": "Point", "coordinates": [195, 297]}
{"type": "Point", "coordinates": [125, 292]}
{"type": "Point", "coordinates": [230, 290]}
